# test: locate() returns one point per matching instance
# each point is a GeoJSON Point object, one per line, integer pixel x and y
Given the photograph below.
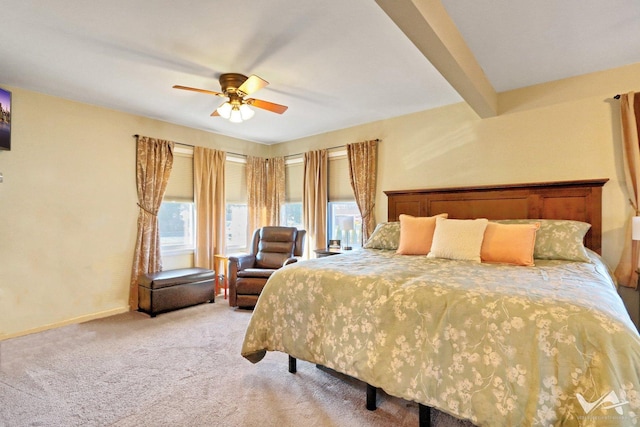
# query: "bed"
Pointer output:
{"type": "Point", "coordinates": [492, 343]}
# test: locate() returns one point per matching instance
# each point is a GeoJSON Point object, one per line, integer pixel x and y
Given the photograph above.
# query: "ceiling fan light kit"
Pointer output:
{"type": "Point", "coordinates": [246, 112]}
{"type": "Point", "coordinates": [225, 110]}
{"type": "Point", "coordinates": [235, 117]}
{"type": "Point", "coordinates": [235, 87]}
{"type": "Point", "coordinates": [238, 114]}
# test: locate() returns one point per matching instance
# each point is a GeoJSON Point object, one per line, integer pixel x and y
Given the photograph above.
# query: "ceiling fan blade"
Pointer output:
{"type": "Point", "coordinates": [252, 84]}
{"type": "Point", "coordinates": [209, 92]}
{"type": "Point", "coordinates": [215, 113]}
{"type": "Point", "coordinates": [266, 105]}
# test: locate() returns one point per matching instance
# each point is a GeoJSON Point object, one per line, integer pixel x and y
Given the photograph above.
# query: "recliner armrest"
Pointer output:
{"type": "Point", "coordinates": [236, 263]}
{"type": "Point", "coordinates": [241, 262]}
{"type": "Point", "coordinates": [290, 261]}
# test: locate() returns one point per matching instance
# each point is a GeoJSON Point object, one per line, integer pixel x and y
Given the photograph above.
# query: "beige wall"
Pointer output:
{"type": "Point", "coordinates": [565, 130]}
{"type": "Point", "coordinates": [68, 201]}
{"type": "Point", "coordinates": [68, 209]}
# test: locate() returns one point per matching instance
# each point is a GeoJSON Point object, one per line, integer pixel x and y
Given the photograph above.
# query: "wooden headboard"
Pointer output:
{"type": "Point", "coordinates": [575, 200]}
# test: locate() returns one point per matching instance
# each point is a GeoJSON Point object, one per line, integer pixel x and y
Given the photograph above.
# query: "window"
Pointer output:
{"type": "Point", "coordinates": [291, 210]}
{"type": "Point", "coordinates": [291, 215]}
{"type": "Point", "coordinates": [176, 217]}
{"type": "Point", "coordinates": [236, 226]}
{"type": "Point", "coordinates": [345, 223]}
{"type": "Point", "coordinates": [176, 224]}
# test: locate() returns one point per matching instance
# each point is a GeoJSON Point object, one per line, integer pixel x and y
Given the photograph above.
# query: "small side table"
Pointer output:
{"type": "Point", "coordinates": [321, 253]}
{"type": "Point", "coordinates": [217, 259]}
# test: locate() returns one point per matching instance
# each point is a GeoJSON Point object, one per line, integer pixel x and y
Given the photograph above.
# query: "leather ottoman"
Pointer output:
{"type": "Point", "coordinates": [173, 289]}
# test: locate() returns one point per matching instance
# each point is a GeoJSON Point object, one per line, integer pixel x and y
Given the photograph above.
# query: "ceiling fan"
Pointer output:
{"type": "Point", "coordinates": [236, 87]}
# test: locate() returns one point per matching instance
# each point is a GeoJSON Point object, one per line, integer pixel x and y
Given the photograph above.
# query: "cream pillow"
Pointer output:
{"type": "Point", "coordinates": [509, 243]}
{"type": "Point", "coordinates": [458, 239]}
{"type": "Point", "coordinates": [416, 234]}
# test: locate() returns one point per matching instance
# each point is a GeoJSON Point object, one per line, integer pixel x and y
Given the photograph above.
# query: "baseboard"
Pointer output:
{"type": "Point", "coordinates": [79, 319]}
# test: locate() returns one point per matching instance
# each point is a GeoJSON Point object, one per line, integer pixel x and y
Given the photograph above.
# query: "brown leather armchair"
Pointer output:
{"type": "Point", "coordinates": [271, 248]}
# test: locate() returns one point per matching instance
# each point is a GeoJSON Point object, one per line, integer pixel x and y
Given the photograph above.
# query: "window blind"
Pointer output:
{"type": "Point", "coordinates": [339, 182]}
{"type": "Point", "coordinates": [180, 185]}
{"type": "Point", "coordinates": [294, 180]}
{"type": "Point", "coordinates": [235, 182]}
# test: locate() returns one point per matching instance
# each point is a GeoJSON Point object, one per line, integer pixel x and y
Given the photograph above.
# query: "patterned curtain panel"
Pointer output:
{"type": "Point", "coordinates": [256, 193]}
{"type": "Point", "coordinates": [266, 190]}
{"type": "Point", "coordinates": [626, 271]}
{"type": "Point", "coordinates": [275, 189]}
{"type": "Point", "coordinates": [208, 188]}
{"type": "Point", "coordinates": [363, 162]}
{"type": "Point", "coordinates": [314, 200]}
{"type": "Point", "coordinates": [154, 160]}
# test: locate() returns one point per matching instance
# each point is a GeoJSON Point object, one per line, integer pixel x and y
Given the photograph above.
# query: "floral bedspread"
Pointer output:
{"type": "Point", "coordinates": [495, 344]}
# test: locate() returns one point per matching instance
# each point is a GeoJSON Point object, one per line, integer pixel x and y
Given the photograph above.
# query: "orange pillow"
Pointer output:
{"type": "Point", "coordinates": [416, 234]}
{"type": "Point", "coordinates": [509, 243]}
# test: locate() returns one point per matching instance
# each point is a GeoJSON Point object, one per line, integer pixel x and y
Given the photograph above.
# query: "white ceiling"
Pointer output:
{"type": "Point", "coordinates": [335, 63]}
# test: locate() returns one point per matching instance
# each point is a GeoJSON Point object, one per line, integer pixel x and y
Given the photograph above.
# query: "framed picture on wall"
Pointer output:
{"type": "Point", "coordinates": [5, 119]}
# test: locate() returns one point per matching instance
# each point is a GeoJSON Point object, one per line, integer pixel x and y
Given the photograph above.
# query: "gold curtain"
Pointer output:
{"type": "Point", "coordinates": [154, 159]}
{"type": "Point", "coordinates": [208, 188]}
{"type": "Point", "coordinates": [626, 271]}
{"type": "Point", "coordinates": [266, 191]}
{"type": "Point", "coordinates": [362, 158]}
{"type": "Point", "coordinates": [314, 200]}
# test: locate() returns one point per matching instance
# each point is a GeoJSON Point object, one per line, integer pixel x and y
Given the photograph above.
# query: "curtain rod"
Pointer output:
{"type": "Point", "coordinates": [288, 155]}
{"type": "Point", "coordinates": [330, 148]}
{"type": "Point", "coordinates": [190, 145]}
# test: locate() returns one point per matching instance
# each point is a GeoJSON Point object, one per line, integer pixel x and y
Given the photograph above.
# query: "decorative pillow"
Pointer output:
{"type": "Point", "coordinates": [458, 239]}
{"type": "Point", "coordinates": [509, 243]}
{"type": "Point", "coordinates": [558, 238]}
{"type": "Point", "coordinates": [385, 236]}
{"type": "Point", "coordinates": [416, 234]}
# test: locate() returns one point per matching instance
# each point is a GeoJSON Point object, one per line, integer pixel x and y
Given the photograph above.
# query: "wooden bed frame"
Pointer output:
{"type": "Point", "coordinates": [573, 200]}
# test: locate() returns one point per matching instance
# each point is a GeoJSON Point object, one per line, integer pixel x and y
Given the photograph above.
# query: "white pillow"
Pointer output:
{"type": "Point", "coordinates": [458, 239]}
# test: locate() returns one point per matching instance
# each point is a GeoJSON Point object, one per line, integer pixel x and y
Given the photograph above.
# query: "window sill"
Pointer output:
{"type": "Point", "coordinates": [177, 252]}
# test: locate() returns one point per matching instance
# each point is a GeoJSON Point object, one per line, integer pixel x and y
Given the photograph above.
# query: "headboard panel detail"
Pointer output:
{"type": "Point", "coordinates": [575, 200]}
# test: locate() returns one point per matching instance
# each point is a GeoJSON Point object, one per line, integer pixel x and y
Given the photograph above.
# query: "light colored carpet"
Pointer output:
{"type": "Point", "coordinates": [179, 369]}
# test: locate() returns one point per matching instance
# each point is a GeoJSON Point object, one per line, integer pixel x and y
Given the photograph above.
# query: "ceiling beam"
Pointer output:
{"type": "Point", "coordinates": [427, 24]}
